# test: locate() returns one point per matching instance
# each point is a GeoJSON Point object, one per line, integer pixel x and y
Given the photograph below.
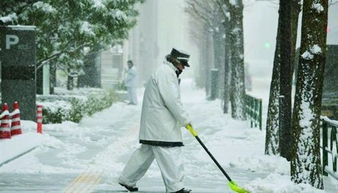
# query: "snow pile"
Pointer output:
{"type": "Point", "coordinates": [27, 141]}
{"type": "Point", "coordinates": [263, 163]}
{"type": "Point", "coordinates": [237, 147]}
{"type": "Point", "coordinates": [276, 183]}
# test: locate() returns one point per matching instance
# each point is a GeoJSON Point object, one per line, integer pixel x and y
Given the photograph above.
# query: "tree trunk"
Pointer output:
{"type": "Point", "coordinates": [226, 88]}
{"type": "Point", "coordinates": [200, 82]}
{"type": "Point", "coordinates": [218, 58]}
{"type": "Point", "coordinates": [305, 164]}
{"type": "Point", "coordinates": [237, 93]}
{"type": "Point", "coordinates": [278, 127]}
{"type": "Point", "coordinates": [39, 81]}
{"type": "Point", "coordinates": [289, 11]}
{"type": "Point", "coordinates": [52, 78]}
{"type": "Point", "coordinates": [272, 123]}
{"type": "Point", "coordinates": [285, 79]}
{"type": "Point", "coordinates": [207, 63]}
{"type": "Point", "coordinates": [70, 82]}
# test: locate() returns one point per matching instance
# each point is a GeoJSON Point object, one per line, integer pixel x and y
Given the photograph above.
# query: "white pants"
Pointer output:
{"type": "Point", "coordinates": [132, 95]}
{"type": "Point", "coordinates": [169, 160]}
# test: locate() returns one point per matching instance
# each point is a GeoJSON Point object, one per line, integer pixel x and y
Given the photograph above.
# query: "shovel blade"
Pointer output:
{"type": "Point", "coordinates": [236, 188]}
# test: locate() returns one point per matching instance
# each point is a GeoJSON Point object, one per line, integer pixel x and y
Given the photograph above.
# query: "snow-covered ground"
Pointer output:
{"type": "Point", "coordinates": [104, 142]}
{"type": "Point", "coordinates": [17, 145]}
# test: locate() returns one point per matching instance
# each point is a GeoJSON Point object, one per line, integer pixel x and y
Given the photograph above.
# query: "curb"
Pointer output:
{"type": "Point", "coordinates": [18, 146]}
{"type": "Point", "coordinates": [15, 157]}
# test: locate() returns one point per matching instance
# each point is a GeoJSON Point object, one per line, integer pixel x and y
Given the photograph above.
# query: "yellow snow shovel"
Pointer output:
{"type": "Point", "coordinates": [231, 183]}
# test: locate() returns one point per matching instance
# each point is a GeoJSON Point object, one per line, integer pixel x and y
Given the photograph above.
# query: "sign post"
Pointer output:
{"type": "Point", "coordinates": [17, 58]}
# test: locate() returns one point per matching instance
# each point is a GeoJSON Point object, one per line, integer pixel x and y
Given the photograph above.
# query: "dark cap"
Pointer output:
{"type": "Point", "coordinates": [180, 56]}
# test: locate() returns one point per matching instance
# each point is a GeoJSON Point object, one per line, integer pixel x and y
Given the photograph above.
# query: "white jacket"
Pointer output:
{"type": "Point", "coordinates": [162, 115]}
{"type": "Point", "coordinates": [131, 79]}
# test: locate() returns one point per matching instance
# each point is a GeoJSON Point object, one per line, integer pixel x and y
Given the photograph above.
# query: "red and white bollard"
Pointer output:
{"type": "Point", "coordinates": [39, 118]}
{"type": "Point", "coordinates": [5, 128]}
{"type": "Point", "coordinates": [15, 126]}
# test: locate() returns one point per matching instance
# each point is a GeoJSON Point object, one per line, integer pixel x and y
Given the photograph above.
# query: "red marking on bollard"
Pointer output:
{"type": "Point", "coordinates": [16, 125]}
{"type": "Point", "coordinates": [39, 118]}
{"type": "Point", "coordinates": [5, 129]}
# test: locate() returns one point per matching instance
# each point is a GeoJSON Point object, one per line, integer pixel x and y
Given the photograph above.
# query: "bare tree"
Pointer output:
{"type": "Point", "coordinates": [199, 36]}
{"type": "Point", "coordinates": [236, 41]}
{"type": "Point", "coordinates": [272, 123]}
{"type": "Point", "coordinates": [208, 14]}
{"type": "Point", "coordinates": [231, 13]}
{"type": "Point", "coordinates": [289, 11]}
{"type": "Point", "coordinates": [201, 13]}
{"type": "Point", "coordinates": [278, 127]}
{"type": "Point", "coordinates": [305, 163]}
{"type": "Point", "coordinates": [226, 69]}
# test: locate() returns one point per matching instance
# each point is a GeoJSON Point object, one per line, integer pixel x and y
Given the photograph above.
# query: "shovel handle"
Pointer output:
{"type": "Point", "coordinates": [191, 130]}
{"type": "Point", "coordinates": [194, 133]}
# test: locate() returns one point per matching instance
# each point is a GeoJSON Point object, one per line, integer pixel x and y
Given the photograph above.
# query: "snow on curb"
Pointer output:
{"type": "Point", "coordinates": [17, 146]}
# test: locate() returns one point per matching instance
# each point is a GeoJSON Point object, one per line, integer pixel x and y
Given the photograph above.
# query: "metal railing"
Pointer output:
{"type": "Point", "coordinates": [253, 110]}
{"type": "Point", "coordinates": [329, 147]}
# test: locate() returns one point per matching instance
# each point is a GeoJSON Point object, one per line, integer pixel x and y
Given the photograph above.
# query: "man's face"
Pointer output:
{"type": "Point", "coordinates": [130, 64]}
{"type": "Point", "coordinates": [180, 66]}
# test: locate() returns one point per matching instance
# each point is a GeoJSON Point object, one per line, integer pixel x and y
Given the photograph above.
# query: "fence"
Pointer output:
{"type": "Point", "coordinates": [329, 147]}
{"type": "Point", "coordinates": [253, 110]}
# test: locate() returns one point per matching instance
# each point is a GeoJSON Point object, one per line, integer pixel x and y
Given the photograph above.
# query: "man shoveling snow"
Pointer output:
{"type": "Point", "coordinates": [162, 118]}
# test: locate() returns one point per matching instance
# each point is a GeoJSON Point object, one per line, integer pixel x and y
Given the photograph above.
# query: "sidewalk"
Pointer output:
{"type": "Point", "coordinates": [89, 156]}
{"type": "Point", "coordinates": [18, 145]}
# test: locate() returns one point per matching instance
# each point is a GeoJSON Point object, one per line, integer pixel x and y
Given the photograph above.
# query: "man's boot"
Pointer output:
{"type": "Point", "coordinates": [183, 191]}
{"type": "Point", "coordinates": [130, 188]}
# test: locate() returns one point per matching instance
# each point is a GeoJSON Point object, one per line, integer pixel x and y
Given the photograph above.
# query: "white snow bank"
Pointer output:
{"type": "Point", "coordinates": [276, 183]}
{"type": "Point", "coordinates": [263, 163]}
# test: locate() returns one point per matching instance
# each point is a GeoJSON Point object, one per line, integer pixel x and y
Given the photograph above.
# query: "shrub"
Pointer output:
{"type": "Point", "coordinates": [74, 108]}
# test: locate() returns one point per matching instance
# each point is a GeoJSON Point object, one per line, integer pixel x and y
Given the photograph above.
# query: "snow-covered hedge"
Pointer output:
{"type": "Point", "coordinates": [59, 108]}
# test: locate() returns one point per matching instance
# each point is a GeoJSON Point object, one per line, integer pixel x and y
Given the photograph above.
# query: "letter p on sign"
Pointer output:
{"type": "Point", "coordinates": [11, 40]}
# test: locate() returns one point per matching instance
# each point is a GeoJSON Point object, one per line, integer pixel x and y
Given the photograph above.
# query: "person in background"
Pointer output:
{"type": "Point", "coordinates": [131, 83]}
{"type": "Point", "coordinates": [162, 119]}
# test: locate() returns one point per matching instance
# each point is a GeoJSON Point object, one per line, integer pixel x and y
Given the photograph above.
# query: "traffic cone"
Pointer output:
{"type": "Point", "coordinates": [16, 126]}
{"type": "Point", "coordinates": [5, 129]}
{"type": "Point", "coordinates": [39, 118]}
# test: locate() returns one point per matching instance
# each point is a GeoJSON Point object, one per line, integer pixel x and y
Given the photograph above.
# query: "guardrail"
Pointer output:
{"type": "Point", "coordinates": [253, 110]}
{"type": "Point", "coordinates": [329, 147]}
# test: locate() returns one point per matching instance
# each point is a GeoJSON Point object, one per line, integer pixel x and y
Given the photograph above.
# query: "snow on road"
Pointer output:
{"type": "Point", "coordinates": [104, 142]}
